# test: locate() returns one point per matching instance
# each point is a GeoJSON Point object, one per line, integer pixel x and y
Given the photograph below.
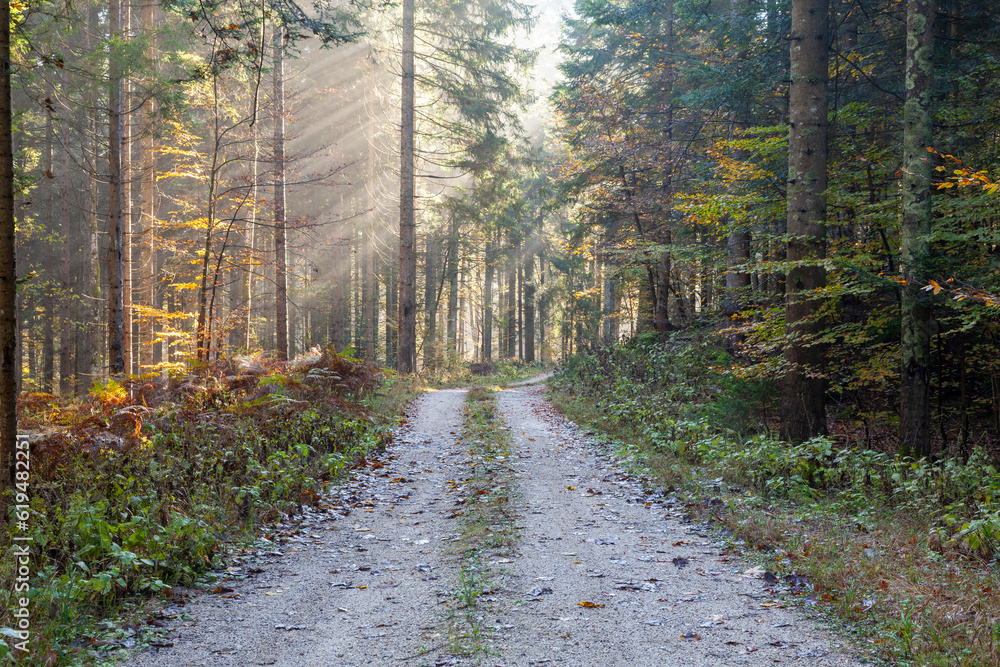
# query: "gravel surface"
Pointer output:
{"type": "Point", "coordinates": [664, 592]}
{"type": "Point", "coordinates": [364, 580]}
{"type": "Point", "coordinates": [360, 589]}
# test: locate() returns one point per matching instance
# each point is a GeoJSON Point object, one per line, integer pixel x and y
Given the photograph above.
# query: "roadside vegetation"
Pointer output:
{"type": "Point", "coordinates": [488, 522]}
{"type": "Point", "coordinates": [143, 486]}
{"type": "Point", "coordinates": [902, 552]}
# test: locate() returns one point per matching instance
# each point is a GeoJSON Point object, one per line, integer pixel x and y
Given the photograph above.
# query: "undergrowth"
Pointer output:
{"type": "Point", "coordinates": [904, 552]}
{"type": "Point", "coordinates": [140, 488]}
{"type": "Point", "coordinates": [487, 520]}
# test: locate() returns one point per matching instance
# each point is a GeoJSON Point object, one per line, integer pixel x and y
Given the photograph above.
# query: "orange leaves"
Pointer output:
{"type": "Point", "coordinates": [963, 176]}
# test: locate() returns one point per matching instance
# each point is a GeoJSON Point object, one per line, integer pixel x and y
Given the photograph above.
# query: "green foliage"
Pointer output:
{"type": "Point", "coordinates": [134, 515]}
{"type": "Point", "coordinates": [676, 400]}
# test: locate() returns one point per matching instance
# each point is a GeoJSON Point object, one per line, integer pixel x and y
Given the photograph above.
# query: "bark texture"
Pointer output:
{"type": "Point", "coordinates": [803, 408]}
{"type": "Point", "coordinates": [406, 360]}
{"type": "Point", "coordinates": [8, 274]}
{"type": "Point", "coordinates": [116, 324]}
{"type": "Point", "coordinates": [282, 347]}
{"type": "Point", "coordinates": [918, 134]}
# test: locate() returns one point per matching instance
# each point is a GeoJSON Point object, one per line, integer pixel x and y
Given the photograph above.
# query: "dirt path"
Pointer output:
{"type": "Point", "coordinates": [365, 582]}
{"type": "Point", "coordinates": [360, 589]}
{"type": "Point", "coordinates": [667, 594]}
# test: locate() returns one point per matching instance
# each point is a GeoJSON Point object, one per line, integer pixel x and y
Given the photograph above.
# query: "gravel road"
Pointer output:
{"type": "Point", "coordinates": [365, 579]}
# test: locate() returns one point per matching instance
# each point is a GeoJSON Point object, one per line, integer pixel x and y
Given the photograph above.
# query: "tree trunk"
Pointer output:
{"type": "Point", "coordinates": [369, 289]}
{"type": "Point", "coordinates": [8, 274]}
{"type": "Point", "coordinates": [48, 328]}
{"type": "Point", "coordinates": [144, 294]}
{"type": "Point", "coordinates": [116, 324]}
{"type": "Point", "coordinates": [529, 307]}
{"type": "Point", "coordinates": [391, 321]}
{"type": "Point", "coordinates": [520, 305]}
{"type": "Point", "coordinates": [453, 285]}
{"type": "Point", "coordinates": [340, 330]}
{"type": "Point", "coordinates": [430, 301]}
{"type": "Point", "coordinates": [542, 312]}
{"type": "Point", "coordinates": [242, 302]}
{"type": "Point", "coordinates": [803, 407]}
{"type": "Point", "coordinates": [918, 134]}
{"type": "Point", "coordinates": [488, 304]}
{"type": "Point", "coordinates": [662, 318]}
{"type": "Point", "coordinates": [737, 282]}
{"type": "Point", "coordinates": [280, 254]}
{"type": "Point", "coordinates": [510, 307]}
{"type": "Point", "coordinates": [406, 362]}
{"type": "Point", "coordinates": [91, 285]}
{"type": "Point", "coordinates": [128, 339]}
{"type": "Point", "coordinates": [66, 329]}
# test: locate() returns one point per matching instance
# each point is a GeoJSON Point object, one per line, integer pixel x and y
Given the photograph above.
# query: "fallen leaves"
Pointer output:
{"type": "Point", "coordinates": [589, 605]}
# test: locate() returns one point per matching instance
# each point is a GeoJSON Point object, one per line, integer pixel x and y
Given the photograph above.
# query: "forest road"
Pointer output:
{"type": "Point", "coordinates": [366, 581]}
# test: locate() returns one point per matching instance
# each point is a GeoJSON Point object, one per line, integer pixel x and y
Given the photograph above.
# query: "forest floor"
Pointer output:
{"type": "Point", "coordinates": [580, 563]}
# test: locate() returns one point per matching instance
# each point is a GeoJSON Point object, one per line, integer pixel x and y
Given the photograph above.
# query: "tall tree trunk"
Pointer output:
{"type": "Point", "coordinates": [488, 304]}
{"type": "Point", "coordinates": [116, 323]}
{"type": "Point", "coordinates": [430, 301]}
{"type": "Point", "coordinates": [369, 289]}
{"type": "Point", "coordinates": [529, 307]}
{"type": "Point", "coordinates": [280, 252]}
{"type": "Point", "coordinates": [128, 339]}
{"type": "Point", "coordinates": [241, 291]}
{"type": "Point", "coordinates": [510, 305]}
{"type": "Point", "coordinates": [918, 134]}
{"type": "Point", "coordinates": [661, 320]}
{"type": "Point", "coordinates": [8, 274]}
{"type": "Point", "coordinates": [144, 294]}
{"type": "Point", "coordinates": [520, 304]}
{"type": "Point", "coordinates": [406, 362]}
{"type": "Point", "coordinates": [66, 329]}
{"type": "Point", "coordinates": [460, 343]}
{"type": "Point", "coordinates": [48, 328]}
{"type": "Point", "coordinates": [452, 285]}
{"type": "Point", "coordinates": [391, 321]}
{"type": "Point", "coordinates": [91, 285]}
{"type": "Point", "coordinates": [803, 407]}
{"type": "Point", "coordinates": [340, 330]}
{"type": "Point", "coordinates": [542, 311]}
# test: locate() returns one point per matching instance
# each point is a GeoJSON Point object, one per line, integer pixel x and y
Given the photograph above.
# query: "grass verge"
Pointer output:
{"type": "Point", "coordinates": [487, 520]}
{"type": "Point", "coordinates": [899, 554]}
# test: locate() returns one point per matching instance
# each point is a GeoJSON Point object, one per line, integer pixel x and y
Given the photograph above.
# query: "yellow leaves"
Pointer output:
{"type": "Point", "coordinates": [590, 605]}
{"type": "Point", "coordinates": [932, 285]}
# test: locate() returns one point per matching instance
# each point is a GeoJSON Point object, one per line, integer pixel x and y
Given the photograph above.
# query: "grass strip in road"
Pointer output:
{"type": "Point", "coordinates": [488, 521]}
